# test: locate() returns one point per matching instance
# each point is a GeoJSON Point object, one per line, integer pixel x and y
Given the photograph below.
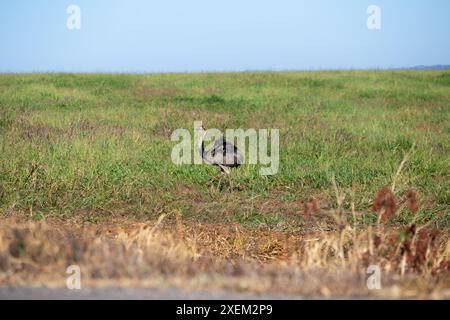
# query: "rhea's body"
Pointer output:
{"type": "Point", "coordinates": [223, 153]}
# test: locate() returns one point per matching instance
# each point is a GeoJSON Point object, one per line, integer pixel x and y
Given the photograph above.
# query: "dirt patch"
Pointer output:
{"type": "Point", "coordinates": [36, 132]}
{"type": "Point", "coordinates": [159, 92]}
{"type": "Point", "coordinates": [91, 128]}
{"type": "Point", "coordinates": [47, 133]}
{"type": "Point", "coordinates": [207, 91]}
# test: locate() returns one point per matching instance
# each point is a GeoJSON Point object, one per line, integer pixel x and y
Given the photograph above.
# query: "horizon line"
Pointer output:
{"type": "Point", "coordinates": [436, 67]}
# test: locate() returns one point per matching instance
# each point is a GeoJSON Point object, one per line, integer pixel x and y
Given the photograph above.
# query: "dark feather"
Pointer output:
{"type": "Point", "coordinates": [224, 153]}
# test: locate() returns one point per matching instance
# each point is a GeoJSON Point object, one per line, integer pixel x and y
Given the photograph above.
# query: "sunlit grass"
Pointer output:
{"type": "Point", "coordinates": [102, 142]}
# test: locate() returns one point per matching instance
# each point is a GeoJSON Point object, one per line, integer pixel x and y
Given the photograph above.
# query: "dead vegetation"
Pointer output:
{"type": "Point", "coordinates": [173, 252]}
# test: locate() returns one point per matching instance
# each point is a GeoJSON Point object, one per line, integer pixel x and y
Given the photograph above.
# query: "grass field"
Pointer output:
{"type": "Point", "coordinates": [95, 149]}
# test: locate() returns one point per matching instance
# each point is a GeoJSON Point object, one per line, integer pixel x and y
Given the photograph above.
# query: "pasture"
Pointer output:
{"type": "Point", "coordinates": [86, 156]}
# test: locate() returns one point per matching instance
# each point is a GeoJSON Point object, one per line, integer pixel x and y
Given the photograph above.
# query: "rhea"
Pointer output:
{"type": "Point", "coordinates": [223, 154]}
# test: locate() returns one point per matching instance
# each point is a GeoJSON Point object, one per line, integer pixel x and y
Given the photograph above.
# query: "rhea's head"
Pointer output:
{"type": "Point", "coordinates": [200, 128]}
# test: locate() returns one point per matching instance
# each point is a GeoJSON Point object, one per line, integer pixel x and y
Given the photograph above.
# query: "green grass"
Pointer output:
{"type": "Point", "coordinates": [101, 143]}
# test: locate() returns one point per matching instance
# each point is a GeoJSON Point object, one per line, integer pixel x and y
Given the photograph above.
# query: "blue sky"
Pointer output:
{"type": "Point", "coordinates": [227, 35]}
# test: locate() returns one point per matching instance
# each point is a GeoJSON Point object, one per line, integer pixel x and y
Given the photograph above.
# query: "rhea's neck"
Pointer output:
{"type": "Point", "coordinates": [201, 143]}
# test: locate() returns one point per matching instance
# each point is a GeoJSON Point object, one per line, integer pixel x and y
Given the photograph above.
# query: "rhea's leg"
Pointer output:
{"type": "Point", "coordinates": [216, 181]}
{"type": "Point", "coordinates": [230, 181]}
{"type": "Point", "coordinates": [220, 181]}
{"type": "Point", "coordinates": [228, 173]}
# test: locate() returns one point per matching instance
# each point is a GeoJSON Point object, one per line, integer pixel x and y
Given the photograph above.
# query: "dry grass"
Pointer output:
{"type": "Point", "coordinates": [168, 252]}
